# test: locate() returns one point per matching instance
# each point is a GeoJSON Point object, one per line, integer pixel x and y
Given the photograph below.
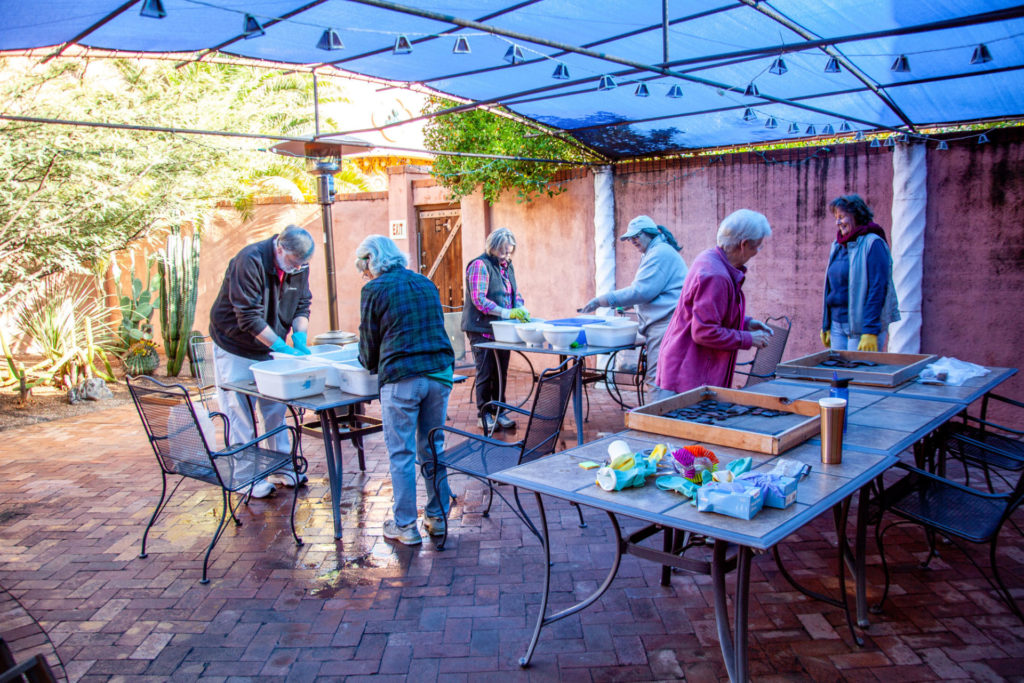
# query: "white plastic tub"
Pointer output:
{"type": "Point", "coordinates": [531, 333]}
{"type": "Point", "coordinates": [289, 378]}
{"type": "Point", "coordinates": [611, 333]}
{"type": "Point", "coordinates": [317, 351]}
{"type": "Point", "coordinates": [561, 336]}
{"type": "Point", "coordinates": [505, 331]}
{"type": "Point", "coordinates": [353, 378]}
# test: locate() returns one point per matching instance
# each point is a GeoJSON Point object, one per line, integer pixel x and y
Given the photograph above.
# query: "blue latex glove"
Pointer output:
{"type": "Point", "coordinates": [280, 346]}
{"type": "Point", "coordinates": [299, 342]}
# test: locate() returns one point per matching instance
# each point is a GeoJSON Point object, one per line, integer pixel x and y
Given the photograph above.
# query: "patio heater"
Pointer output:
{"type": "Point", "coordinates": [323, 159]}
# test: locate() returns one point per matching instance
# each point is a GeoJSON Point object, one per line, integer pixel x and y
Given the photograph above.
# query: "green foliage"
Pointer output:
{"type": "Point", "coordinates": [179, 282]}
{"type": "Point", "coordinates": [69, 326]}
{"type": "Point", "coordinates": [136, 306]}
{"type": "Point", "coordinates": [141, 358]}
{"type": "Point", "coordinates": [70, 195]}
{"type": "Point", "coordinates": [482, 132]}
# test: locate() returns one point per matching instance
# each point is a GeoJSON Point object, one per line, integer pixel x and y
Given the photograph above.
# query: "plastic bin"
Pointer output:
{"type": "Point", "coordinates": [353, 378]}
{"type": "Point", "coordinates": [289, 378]}
{"type": "Point", "coordinates": [579, 321]}
{"type": "Point", "coordinates": [611, 334]}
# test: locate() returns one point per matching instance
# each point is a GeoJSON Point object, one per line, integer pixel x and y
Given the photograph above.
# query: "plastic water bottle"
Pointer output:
{"type": "Point", "coordinates": [840, 389]}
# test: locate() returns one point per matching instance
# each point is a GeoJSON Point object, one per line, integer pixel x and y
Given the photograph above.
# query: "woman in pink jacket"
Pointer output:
{"type": "Point", "coordinates": [710, 323]}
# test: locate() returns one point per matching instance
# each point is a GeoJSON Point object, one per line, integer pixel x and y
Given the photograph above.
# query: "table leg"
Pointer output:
{"type": "Point", "coordinates": [733, 651]}
{"type": "Point", "coordinates": [332, 453]}
{"type": "Point", "coordinates": [577, 403]}
{"type": "Point", "coordinates": [543, 620]}
{"type": "Point", "coordinates": [860, 568]}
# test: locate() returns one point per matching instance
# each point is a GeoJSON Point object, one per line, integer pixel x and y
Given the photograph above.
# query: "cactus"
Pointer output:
{"type": "Point", "coordinates": [142, 358]}
{"type": "Point", "coordinates": [137, 306]}
{"type": "Point", "coordinates": [179, 280]}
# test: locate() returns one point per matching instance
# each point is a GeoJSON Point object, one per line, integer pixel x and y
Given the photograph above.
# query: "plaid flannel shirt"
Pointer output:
{"type": "Point", "coordinates": [401, 327]}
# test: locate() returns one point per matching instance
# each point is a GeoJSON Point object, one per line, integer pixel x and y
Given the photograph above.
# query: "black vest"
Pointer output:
{"type": "Point", "coordinates": [472, 319]}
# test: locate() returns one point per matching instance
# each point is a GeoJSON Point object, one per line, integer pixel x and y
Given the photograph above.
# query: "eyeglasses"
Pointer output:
{"type": "Point", "coordinates": [292, 264]}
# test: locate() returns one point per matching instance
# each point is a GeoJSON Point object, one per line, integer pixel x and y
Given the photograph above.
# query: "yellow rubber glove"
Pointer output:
{"type": "Point", "coordinates": [520, 314]}
{"type": "Point", "coordinates": [826, 338]}
{"type": "Point", "coordinates": [868, 342]}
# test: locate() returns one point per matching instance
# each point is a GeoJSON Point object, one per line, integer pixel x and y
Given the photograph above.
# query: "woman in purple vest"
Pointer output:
{"type": "Point", "coordinates": [491, 294]}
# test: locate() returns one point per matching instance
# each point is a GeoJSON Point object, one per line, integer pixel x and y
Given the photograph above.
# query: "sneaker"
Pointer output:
{"type": "Point", "coordinates": [408, 534]}
{"type": "Point", "coordinates": [262, 489]}
{"type": "Point", "coordinates": [506, 422]}
{"type": "Point", "coordinates": [434, 526]}
{"type": "Point", "coordinates": [486, 423]}
{"type": "Point", "coordinates": [288, 478]}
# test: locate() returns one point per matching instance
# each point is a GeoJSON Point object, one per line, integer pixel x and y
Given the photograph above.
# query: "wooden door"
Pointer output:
{"type": "Point", "coordinates": [439, 236]}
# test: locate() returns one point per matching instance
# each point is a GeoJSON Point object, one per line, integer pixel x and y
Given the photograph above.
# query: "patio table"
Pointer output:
{"type": "Point", "coordinates": [333, 428]}
{"type": "Point", "coordinates": [825, 488]}
{"type": "Point", "coordinates": [579, 354]}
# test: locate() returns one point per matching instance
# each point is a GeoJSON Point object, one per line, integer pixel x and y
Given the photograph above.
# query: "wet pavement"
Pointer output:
{"type": "Point", "coordinates": [75, 496]}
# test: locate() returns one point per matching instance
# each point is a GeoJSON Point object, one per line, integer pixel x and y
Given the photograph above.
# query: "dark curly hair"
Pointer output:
{"type": "Point", "coordinates": [853, 205]}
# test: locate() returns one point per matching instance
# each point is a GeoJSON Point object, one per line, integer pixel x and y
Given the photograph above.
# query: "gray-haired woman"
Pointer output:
{"type": "Point", "coordinates": [710, 324]}
{"type": "Point", "coordinates": [402, 339]}
{"type": "Point", "coordinates": [491, 294]}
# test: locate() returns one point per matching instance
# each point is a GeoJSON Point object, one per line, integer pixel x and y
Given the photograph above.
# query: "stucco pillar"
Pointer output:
{"type": "Point", "coordinates": [909, 206]}
{"type": "Point", "coordinates": [604, 230]}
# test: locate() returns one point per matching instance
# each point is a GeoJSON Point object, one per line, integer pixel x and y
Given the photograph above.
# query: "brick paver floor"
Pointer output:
{"type": "Point", "coordinates": [75, 496]}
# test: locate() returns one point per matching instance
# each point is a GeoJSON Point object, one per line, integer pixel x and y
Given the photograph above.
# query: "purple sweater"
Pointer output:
{"type": "Point", "coordinates": [708, 327]}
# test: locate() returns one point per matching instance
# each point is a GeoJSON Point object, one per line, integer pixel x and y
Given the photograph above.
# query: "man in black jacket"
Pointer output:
{"type": "Point", "coordinates": [265, 294]}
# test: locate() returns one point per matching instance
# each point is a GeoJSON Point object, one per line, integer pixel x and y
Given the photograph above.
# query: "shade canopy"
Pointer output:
{"type": "Point", "coordinates": [627, 79]}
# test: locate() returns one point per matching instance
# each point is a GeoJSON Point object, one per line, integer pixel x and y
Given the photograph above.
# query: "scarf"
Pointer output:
{"type": "Point", "coordinates": [860, 231]}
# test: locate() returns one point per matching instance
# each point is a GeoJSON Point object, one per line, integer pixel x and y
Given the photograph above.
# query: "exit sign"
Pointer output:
{"type": "Point", "coordinates": [397, 230]}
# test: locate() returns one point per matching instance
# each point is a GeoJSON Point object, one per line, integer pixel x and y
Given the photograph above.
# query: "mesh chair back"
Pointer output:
{"type": "Point", "coordinates": [202, 355]}
{"type": "Point", "coordinates": [453, 328]}
{"type": "Point", "coordinates": [554, 389]}
{"type": "Point", "coordinates": [173, 429]}
{"type": "Point", "coordinates": [767, 359]}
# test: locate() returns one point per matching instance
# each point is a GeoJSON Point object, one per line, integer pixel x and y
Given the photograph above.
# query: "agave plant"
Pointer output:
{"type": "Point", "coordinates": [69, 326]}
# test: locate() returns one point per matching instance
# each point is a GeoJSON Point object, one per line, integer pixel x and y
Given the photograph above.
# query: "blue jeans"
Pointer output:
{"type": "Point", "coordinates": [410, 408]}
{"type": "Point", "coordinates": [842, 340]}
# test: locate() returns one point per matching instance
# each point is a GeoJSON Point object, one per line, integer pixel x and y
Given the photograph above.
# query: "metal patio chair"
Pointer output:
{"type": "Point", "coordinates": [478, 456]}
{"type": "Point", "coordinates": [182, 442]}
{"type": "Point", "coordinates": [976, 441]}
{"type": "Point", "coordinates": [762, 366]}
{"type": "Point", "coordinates": [201, 350]}
{"type": "Point", "coordinates": [35, 669]}
{"type": "Point", "coordinates": [952, 510]}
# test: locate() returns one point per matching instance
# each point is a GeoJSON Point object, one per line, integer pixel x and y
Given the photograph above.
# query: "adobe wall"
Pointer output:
{"type": "Point", "coordinates": [974, 254]}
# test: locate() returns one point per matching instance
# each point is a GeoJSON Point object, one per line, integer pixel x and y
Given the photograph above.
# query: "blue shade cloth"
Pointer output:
{"type": "Point", "coordinates": [712, 49]}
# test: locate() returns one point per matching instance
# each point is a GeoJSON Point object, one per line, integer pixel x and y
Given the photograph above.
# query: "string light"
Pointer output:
{"type": "Point", "coordinates": [828, 130]}
{"type": "Point", "coordinates": [402, 46]}
{"type": "Point", "coordinates": [875, 143]}
{"type": "Point", "coordinates": [749, 115]}
{"type": "Point", "coordinates": [778, 67]}
{"type": "Point", "coordinates": [901, 65]}
{"type": "Point", "coordinates": [982, 139]}
{"type": "Point", "coordinates": [561, 72]}
{"type": "Point", "coordinates": [330, 40]}
{"type": "Point", "coordinates": [981, 54]}
{"type": "Point", "coordinates": [461, 46]}
{"type": "Point", "coordinates": [514, 54]}
{"type": "Point", "coordinates": [252, 28]}
{"type": "Point", "coordinates": [890, 141]}
{"type": "Point", "coordinates": [771, 123]}
{"type": "Point", "coordinates": [811, 130]}
{"type": "Point", "coordinates": [642, 90]}
{"type": "Point", "coordinates": [844, 127]}
{"type": "Point", "coordinates": [154, 9]}
{"type": "Point", "coordinates": [943, 145]}
{"type": "Point", "coordinates": [606, 83]}
{"type": "Point", "coordinates": [858, 136]}
{"type": "Point", "coordinates": [794, 129]}
{"type": "Point", "coordinates": [751, 91]}
{"type": "Point", "coordinates": [832, 66]}
{"type": "Point", "coordinates": [675, 92]}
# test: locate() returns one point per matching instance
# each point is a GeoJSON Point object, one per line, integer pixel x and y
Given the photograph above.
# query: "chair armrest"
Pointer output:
{"type": "Point", "coordinates": [951, 484]}
{"type": "Point", "coordinates": [987, 423]}
{"type": "Point", "coordinates": [506, 406]}
{"type": "Point", "coordinates": [1006, 399]}
{"type": "Point", "coordinates": [262, 437]}
{"type": "Point", "coordinates": [227, 424]}
{"type": "Point", "coordinates": [981, 445]}
{"type": "Point", "coordinates": [469, 435]}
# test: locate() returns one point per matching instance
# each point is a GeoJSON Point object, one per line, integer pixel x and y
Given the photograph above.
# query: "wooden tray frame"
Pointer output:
{"type": "Point", "coordinates": [649, 418]}
{"type": "Point", "coordinates": [805, 367]}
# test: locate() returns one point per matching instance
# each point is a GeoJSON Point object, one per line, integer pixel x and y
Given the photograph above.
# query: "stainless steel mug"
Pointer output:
{"type": "Point", "coordinates": [833, 412]}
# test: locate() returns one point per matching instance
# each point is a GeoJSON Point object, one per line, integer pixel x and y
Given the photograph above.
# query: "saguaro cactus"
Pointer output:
{"type": "Point", "coordinates": [179, 280]}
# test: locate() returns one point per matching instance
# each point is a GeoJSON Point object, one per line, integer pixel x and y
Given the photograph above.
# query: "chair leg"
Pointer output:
{"type": "Point", "coordinates": [879, 535]}
{"type": "Point", "coordinates": [221, 526]}
{"type": "Point", "coordinates": [156, 511]}
{"type": "Point", "coordinates": [1001, 587]}
{"type": "Point", "coordinates": [490, 499]}
{"type": "Point", "coordinates": [295, 499]}
{"type": "Point", "coordinates": [933, 551]}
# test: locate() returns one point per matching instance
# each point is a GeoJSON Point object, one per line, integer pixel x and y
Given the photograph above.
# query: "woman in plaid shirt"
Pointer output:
{"type": "Point", "coordinates": [402, 339]}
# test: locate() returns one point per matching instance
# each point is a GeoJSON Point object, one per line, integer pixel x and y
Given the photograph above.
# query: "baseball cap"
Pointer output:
{"type": "Point", "coordinates": [638, 225]}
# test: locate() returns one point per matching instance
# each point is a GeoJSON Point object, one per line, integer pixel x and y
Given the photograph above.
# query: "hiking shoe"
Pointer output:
{"type": "Point", "coordinates": [506, 422]}
{"type": "Point", "coordinates": [408, 534]}
{"type": "Point", "coordinates": [486, 423]}
{"type": "Point", "coordinates": [434, 526]}
{"type": "Point", "coordinates": [261, 489]}
{"type": "Point", "coordinates": [288, 478]}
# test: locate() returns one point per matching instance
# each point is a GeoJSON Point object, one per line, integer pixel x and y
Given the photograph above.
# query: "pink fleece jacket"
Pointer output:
{"type": "Point", "coordinates": [708, 327]}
